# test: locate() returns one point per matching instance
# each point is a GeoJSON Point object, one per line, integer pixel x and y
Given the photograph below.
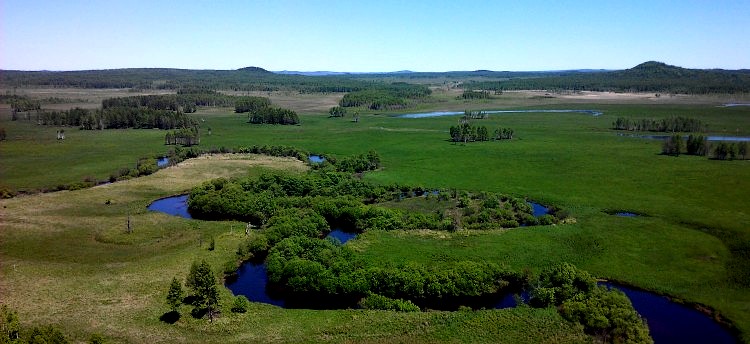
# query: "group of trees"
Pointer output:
{"type": "Point", "coordinates": [307, 267]}
{"type": "Point", "coordinates": [465, 132]}
{"type": "Point", "coordinates": [251, 104]}
{"type": "Point", "coordinates": [698, 145]}
{"type": "Point", "coordinates": [20, 103]}
{"type": "Point", "coordinates": [185, 137]}
{"type": "Point", "coordinates": [670, 124]}
{"type": "Point", "coordinates": [273, 115]}
{"type": "Point", "coordinates": [471, 94]}
{"type": "Point", "coordinates": [730, 150]}
{"type": "Point", "coordinates": [204, 292]}
{"type": "Point", "coordinates": [116, 118]}
{"type": "Point", "coordinates": [337, 111]}
{"type": "Point", "coordinates": [606, 314]}
{"type": "Point", "coordinates": [386, 97]}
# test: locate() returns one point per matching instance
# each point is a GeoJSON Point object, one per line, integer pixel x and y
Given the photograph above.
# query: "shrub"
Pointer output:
{"type": "Point", "coordinates": [240, 304]}
{"type": "Point", "coordinates": [375, 301]}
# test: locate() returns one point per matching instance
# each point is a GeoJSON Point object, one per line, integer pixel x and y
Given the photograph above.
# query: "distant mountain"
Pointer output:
{"type": "Point", "coordinates": [649, 76]}
{"type": "Point", "coordinates": [315, 73]}
{"type": "Point", "coordinates": [646, 77]}
{"type": "Point", "coordinates": [254, 70]}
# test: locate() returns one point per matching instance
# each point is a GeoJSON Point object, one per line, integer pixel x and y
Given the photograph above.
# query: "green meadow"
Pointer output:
{"type": "Point", "coordinates": [66, 259]}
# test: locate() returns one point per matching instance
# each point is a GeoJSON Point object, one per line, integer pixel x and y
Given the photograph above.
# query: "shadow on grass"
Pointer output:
{"type": "Point", "coordinates": [170, 317]}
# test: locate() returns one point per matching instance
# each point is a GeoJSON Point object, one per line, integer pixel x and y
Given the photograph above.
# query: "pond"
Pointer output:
{"type": "Point", "coordinates": [685, 137]}
{"type": "Point", "coordinates": [175, 206]}
{"type": "Point", "coordinates": [316, 159]}
{"type": "Point", "coordinates": [537, 209]}
{"type": "Point", "coordinates": [163, 161]}
{"type": "Point", "coordinates": [453, 113]}
{"type": "Point", "coordinates": [341, 236]}
{"type": "Point", "coordinates": [626, 214]}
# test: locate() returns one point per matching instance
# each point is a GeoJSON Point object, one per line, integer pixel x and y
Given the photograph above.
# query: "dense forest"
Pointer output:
{"type": "Point", "coordinates": [646, 77]}
{"type": "Point", "coordinates": [386, 97]}
{"type": "Point", "coordinates": [670, 124]}
{"type": "Point", "coordinates": [244, 79]}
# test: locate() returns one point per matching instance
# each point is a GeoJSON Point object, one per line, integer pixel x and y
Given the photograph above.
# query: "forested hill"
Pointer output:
{"type": "Point", "coordinates": [244, 79]}
{"type": "Point", "coordinates": [646, 77]}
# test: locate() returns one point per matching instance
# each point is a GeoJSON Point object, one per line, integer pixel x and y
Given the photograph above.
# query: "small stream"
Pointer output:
{"type": "Point", "coordinates": [594, 113]}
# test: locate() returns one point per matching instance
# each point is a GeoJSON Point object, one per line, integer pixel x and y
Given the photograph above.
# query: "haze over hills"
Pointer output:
{"type": "Point", "coordinates": [646, 77]}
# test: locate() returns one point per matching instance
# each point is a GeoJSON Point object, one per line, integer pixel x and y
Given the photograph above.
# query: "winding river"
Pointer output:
{"type": "Point", "coordinates": [669, 322]}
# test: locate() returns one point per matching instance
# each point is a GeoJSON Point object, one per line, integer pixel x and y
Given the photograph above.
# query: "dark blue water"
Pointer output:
{"type": "Point", "coordinates": [316, 159]}
{"type": "Point", "coordinates": [175, 205]}
{"type": "Point", "coordinates": [538, 210]}
{"type": "Point", "coordinates": [163, 161]}
{"type": "Point", "coordinates": [341, 236]}
{"type": "Point", "coordinates": [453, 113]}
{"type": "Point", "coordinates": [670, 322]}
{"type": "Point", "coordinates": [509, 300]}
{"type": "Point", "coordinates": [251, 281]}
{"type": "Point", "coordinates": [626, 214]}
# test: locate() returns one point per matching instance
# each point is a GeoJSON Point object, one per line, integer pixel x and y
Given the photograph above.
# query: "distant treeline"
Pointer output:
{"type": "Point", "coordinates": [116, 118]}
{"type": "Point", "coordinates": [20, 103]}
{"type": "Point", "coordinates": [394, 96]}
{"type": "Point", "coordinates": [670, 124]}
{"type": "Point", "coordinates": [646, 77]}
{"type": "Point", "coordinates": [244, 79]}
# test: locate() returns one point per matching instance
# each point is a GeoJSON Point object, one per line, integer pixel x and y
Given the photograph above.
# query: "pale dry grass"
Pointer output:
{"type": "Point", "coordinates": [66, 259]}
{"type": "Point", "coordinates": [303, 103]}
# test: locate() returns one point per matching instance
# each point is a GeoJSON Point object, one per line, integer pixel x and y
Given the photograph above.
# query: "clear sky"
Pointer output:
{"type": "Point", "coordinates": [372, 36]}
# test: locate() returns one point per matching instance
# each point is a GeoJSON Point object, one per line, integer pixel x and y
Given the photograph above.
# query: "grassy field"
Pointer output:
{"type": "Point", "coordinates": [75, 266]}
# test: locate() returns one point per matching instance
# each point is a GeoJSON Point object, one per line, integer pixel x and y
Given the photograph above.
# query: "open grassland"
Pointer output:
{"type": "Point", "coordinates": [75, 266]}
{"type": "Point", "coordinates": [67, 260]}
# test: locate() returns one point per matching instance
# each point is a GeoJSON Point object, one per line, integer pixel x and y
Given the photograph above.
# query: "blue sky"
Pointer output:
{"type": "Point", "coordinates": [372, 36]}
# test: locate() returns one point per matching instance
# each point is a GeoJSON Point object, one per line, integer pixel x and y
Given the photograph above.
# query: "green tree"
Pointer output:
{"type": "Point", "coordinates": [561, 283]}
{"type": "Point", "coordinates": [202, 283]}
{"type": "Point", "coordinates": [46, 335]}
{"type": "Point", "coordinates": [175, 295]}
{"type": "Point", "coordinates": [609, 315]}
{"type": "Point", "coordinates": [10, 326]}
{"type": "Point", "coordinates": [672, 145]}
{"type": "Point", "coordinates": [742, 149]}
{"type": "Point", "coordinates": [337, 111]}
